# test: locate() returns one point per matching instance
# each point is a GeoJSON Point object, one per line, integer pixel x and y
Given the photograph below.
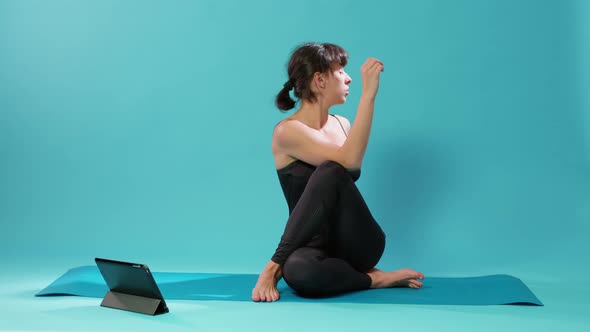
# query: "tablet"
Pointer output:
{"type": "Point", "coordinates": [131, 287]}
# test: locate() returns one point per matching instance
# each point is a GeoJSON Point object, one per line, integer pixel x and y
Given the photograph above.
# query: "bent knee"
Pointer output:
{"type": "Point", "coordinates": [297, 266]}
{"type": "Point", "coordinates": [306, 282]}
{"type": "Point", "coordinates": [302, 272]}
{"type": "Point", "coordinates": [330, 164]}
{"type": "Point", "coordinates": [331, 167]}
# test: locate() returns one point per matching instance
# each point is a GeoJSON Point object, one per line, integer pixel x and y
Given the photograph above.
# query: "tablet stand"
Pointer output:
{"type": "Point", "coordinates": [129, 302]}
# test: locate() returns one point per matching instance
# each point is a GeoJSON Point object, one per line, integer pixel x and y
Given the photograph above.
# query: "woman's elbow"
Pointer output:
{"type": "Point", "coordinates": [351, 163]}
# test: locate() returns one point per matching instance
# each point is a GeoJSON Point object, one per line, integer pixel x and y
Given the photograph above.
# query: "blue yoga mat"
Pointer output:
{"type": "Point", "coordinates": [484, 290]}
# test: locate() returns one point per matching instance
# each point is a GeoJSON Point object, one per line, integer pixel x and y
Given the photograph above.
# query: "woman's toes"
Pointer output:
{"type": "Point", "coordinates": [415, 283]}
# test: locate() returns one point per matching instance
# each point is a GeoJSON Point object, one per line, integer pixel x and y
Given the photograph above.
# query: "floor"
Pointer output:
{"type": "Point", "coordinates": [566, 309]}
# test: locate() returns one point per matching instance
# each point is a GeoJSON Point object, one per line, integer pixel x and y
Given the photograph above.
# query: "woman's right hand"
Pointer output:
{"type": "Point", "coordinates": [370, 72]}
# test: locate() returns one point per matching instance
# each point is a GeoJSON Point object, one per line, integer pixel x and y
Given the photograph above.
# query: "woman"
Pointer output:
{"type": "Point", "coordinates": [331, 242]}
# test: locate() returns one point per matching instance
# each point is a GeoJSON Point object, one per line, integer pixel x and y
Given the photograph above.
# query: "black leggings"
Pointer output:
{"type": "Point", "coordinates": [331, 239]}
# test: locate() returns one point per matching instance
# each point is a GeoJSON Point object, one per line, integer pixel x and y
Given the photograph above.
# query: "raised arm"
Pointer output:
{"type": "Point", "coordinates": [304, 143]}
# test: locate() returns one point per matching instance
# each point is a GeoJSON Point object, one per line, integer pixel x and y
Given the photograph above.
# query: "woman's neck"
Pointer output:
{"type": "Point", "coordinates": [315, 115]}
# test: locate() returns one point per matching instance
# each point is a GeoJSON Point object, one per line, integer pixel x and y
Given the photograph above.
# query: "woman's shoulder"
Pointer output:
{"type": "Point", "coordinates": [285, 131]}
{"type": "Point", "coordinates": [285, 126]}
{"type": "Point", "coordinates": [285, 134]}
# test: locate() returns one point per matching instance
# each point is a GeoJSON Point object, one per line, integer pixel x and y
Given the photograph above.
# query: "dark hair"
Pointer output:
{"type": "Point", "coordinates": [306, 60]}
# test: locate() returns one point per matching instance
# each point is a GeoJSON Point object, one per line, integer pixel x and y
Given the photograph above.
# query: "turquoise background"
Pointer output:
{"type": "Point", "coordinates": [140, 130]}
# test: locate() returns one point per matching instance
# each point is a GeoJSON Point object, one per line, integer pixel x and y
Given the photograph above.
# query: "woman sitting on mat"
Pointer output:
{"type": "Point", "coordinates": [331, 242]}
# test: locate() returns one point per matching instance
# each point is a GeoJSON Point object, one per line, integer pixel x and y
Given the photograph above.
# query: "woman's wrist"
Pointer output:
{"type": "Point", "coordinates": [368, 98]}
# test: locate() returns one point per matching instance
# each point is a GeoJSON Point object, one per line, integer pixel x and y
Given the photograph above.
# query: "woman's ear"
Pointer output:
{"type": "Point", "coordinates": [319, 80]}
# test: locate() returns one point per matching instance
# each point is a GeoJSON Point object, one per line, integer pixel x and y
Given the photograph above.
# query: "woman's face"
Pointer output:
{"type": "Point", "coordinates": [337, 85]}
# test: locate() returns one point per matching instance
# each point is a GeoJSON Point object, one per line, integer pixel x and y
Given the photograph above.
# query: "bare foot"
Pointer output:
{"type": "Point", "coordinates": [399, 278]}
{"type": "Point", "coordinates": [266, 286]}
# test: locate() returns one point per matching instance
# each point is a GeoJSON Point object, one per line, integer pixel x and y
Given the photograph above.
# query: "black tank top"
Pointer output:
{"type": "Point", "coordinates": [294, 177]}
